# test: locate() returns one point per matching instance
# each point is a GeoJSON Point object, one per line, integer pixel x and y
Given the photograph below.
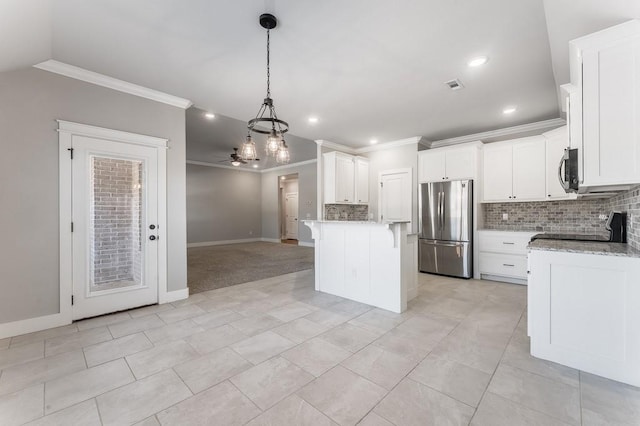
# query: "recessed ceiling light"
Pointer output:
{"type": "Point", "coordinates": [255, 166]}
{"type": "Point", "coordinates": [476, 62]}
{"type": "Point", "coordinates": [312, 120]}
{"type": "Point", "coordinates": [509, 110]}
{"type": "Point", "coordinates": [282, 178]}
{"type": "Point", "coordinates": [373, 141]}
{"type": "Point", "coordinates": [209, 116]}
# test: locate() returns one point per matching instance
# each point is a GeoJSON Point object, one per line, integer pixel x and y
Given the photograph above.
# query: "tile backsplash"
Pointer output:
{"type": "Point", "coordinates": [346, 212]}
{"type": "Point", "coordinates": [573, 216]}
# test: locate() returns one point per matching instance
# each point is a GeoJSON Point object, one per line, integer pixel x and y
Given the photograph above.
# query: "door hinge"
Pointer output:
{"type": "Point", "coordinates": [70, 152]}
{"type": "Point", "coordinates": [381, 184]}
{"type": "Point", "coordinates": [71, 226]}
{"type": "Point", "coordinates": [71, 300]}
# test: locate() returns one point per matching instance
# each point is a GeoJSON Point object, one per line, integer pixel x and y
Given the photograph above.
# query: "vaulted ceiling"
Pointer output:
{"type": "Point", "coordinates": [366, 68]}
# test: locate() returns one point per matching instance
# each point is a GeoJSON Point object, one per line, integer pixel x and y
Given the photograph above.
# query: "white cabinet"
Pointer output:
{"type": "Point", "coordinates": [514, 170]}
{"type": "Point", "coordinates": [556, 141]}
{"type": "Point", "coordinates": [362, 180]}
{"type": "Point", "coordinates": [583, 312]}
{"type": "Point", "coordinates": [605, 73]}
{"type": "Point", "coordinates": [503, 255]}
{"type": "Point", "coordinates": [440, 164]}
{"type": "Point", "coordinates": [346, 179]}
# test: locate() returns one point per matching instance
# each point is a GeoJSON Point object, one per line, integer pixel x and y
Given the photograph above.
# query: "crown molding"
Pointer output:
{"type": "Point", "coordinates": [239, 169]}
{"type": "Point", "coordinates": [390, 145]}
{"type": "Point", "coordinates": [336, 146]}
{"type": "Point", "coordinates": [507, 131]}
{"type": "Point", "coordinates": [87, 76]}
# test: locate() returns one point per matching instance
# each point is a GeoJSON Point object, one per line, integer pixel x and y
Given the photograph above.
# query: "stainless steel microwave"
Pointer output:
{"type": "Point", "coordinates": [568, 170]}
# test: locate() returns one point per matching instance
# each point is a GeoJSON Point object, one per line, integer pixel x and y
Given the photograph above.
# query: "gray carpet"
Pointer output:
{"type": "Point", "coordinates": [221, 266]}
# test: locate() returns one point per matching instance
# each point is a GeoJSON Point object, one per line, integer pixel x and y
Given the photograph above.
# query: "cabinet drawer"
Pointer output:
{"type": "Point", "coordinates": [506, 265]}
{"type": "Point", "coordinates": [504, 242]}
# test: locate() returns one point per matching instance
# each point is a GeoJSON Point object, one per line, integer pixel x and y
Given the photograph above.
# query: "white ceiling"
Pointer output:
{"type": "Point", "coordinates": [366, 68]}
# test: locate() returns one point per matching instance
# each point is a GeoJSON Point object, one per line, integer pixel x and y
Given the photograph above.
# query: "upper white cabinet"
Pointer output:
{"type": "Point", "coordinates": [346, 179]}
{"type": "Point", "coordinates": [556, 142]}
{"type": "Point", "coordinates": [605, 73]}
{"type": "Point", "coordinates": [514, 170]}
{"type": "Point", "coordinates": [447, 164]}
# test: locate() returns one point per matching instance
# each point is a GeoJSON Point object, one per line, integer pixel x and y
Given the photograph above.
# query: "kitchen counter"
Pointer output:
{"type": "Point", "coordinates": [585, 247]}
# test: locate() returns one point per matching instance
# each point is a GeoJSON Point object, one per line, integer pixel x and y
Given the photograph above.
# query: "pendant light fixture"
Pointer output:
{"type": "Point", "coordinates": [276, 146]}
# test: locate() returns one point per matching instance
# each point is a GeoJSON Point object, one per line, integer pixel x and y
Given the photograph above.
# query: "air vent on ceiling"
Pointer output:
{"type": "Point", "coordinates": [455, 84]}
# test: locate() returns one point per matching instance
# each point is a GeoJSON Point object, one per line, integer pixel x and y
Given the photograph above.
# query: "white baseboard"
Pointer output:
{"type": "Point", "coordinates": [305, 244]}
{"type": "Point", "coordinates": [31, 325]}
{"type": "Point", "coordinates": [503, 279]}
{"type": "Point", "coordinates": [270, 240]}
{"type": "Point", "coordinates": [223, 242]}
{"type": "Point", "coordinates": [172, 296]}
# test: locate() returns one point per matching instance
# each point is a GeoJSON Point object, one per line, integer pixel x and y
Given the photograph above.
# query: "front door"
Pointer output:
{"type": "Point", "coordinates": [291, 200]}
{"type": "Point", "coordinates": [115, 226]}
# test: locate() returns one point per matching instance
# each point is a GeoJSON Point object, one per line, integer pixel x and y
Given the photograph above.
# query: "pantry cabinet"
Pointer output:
{"type": "Point", "coordinates": [514, 170]}
{"type": "Point", "coordinates": [346, 178]}
{"type": "Point", "coordinates": [362, 180]}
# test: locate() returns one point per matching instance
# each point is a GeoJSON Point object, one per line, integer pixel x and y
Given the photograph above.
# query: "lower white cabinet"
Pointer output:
{"type": "Point", "coordinates": [583, 312]}
{"type": "Point", "coordinates": [503, 255]}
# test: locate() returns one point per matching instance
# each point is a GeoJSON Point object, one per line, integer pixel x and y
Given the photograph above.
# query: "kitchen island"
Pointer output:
{"type": "Point", "coordinates": [584, 306]}
{"type": "Point", "coordinates": [369, 262]}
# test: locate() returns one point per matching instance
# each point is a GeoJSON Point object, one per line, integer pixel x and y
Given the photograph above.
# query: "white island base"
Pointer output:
{"type": "Point", "coordinates": [369, 262]}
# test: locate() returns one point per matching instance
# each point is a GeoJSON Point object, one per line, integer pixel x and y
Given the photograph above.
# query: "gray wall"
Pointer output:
{"type": "Point", "coordinates": [401, 157]}
{"type": "Point", "coordinates": [307, 195]}
{"type": "Point", "coordinates": [222, 204]}
{"type": "Point", "coordinates": [31, 101]}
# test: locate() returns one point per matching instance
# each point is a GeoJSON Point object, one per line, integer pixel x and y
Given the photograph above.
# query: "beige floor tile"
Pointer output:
{"type": "Point", "coordinates": [174, 331]}
{"type": "Point", "coordinates": [256, 324]}
{"type": "Point", "coordinates": [71, 389]}
{"type": "Point", "coordinates": [450, 306]}
{"type": "Point", "coordinates": [44, 334]}
{"type": "Point", "coordinates": [273, 380]}
{"type": "Point", "coordinates": [102, 321]}
{"type": "Point", "coordinates": [518, 355]}
{"type": "Point", "coordinates": [605, 402]}
{"type": "Point", "coordinates": [556, 399]}
{"type": "Point", "coordinates": [211, 369]}
{"type": "Point", "coordinates": [217, 301]}
{"type": "Point", "coordinates": [139, 400]}
{"type": "Point", "coordinates": [372, 419]}
{"type": "Point", "coordinates": [291, 311]}
{"type": "Point", "coordinates": [135, 325]}
{"type": "Point", "coordinates": [292, 410]}
{"type": "Point", "coordinates": [379, 366]}
{"type": "Point", "coordinates": [74, 341]}
{"type": "Point", "coordinates": [316, 356]}
{"type": "Point", "coordinates": [151, 421]}
{"type": "Point", "coordinates": [495, 410]}
{"type": "Point", "coordinates": [160, 357]}
{"type": "Point", "coordinates": [83, 414]}
{"type": "Point", "coordinates": [117, 348]}
{"type": "Point", "coordinates": [214, 339]}
{"type": "Point", "coordinates": [350, 307]}
{"type": "Point", "coordinates": [300, 330]}
{"type": "Point", "coordinates": [428, 329]}
{"type": "Point", "coordinates": [457, 380]}
{"type": "Point", "coordinates": [412, 403]}
{"type": "Point", "coordinates": [191, 300]}
{"type": "Point", "coordinates": [349, 337]}
{"type": "Point", "coordinates": [261, 347]}
{"type": "Point", "coordinates": [221, 405]}
{"type": "Point", "coordinates": [342, 395]}
{"type": "Point", "coordinates": [40, 371]}
{"type": "Point", "coordinates": [4, 343]}
{"type": "Point", "coordinates": [407, 346]}
{"type": "Point", "coordinates": [477, 352]}
{"type": "Point", "coordinates": [379, 321]}
{"type": "Point", "coordinates": [328, 318]}
{"type": "Point", "coordinates": [21, 354]}
{"type": "Point", "coordinates": [217, 318]}
{"type": "Point", "coordinates": [182, 313]}
{"type": "Point", "coordinates": [22, 406]}
{"type": "Point", "coordinates": [150, 310]}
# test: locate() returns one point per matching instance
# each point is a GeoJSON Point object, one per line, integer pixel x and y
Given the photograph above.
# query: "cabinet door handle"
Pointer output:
{"type": "Point", "coordinates": [506, 242]}
{"type": "Point", "coordinates": [507, 264]}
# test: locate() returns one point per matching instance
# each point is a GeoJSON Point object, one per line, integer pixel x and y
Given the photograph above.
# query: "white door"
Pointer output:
{"type": "Point", "coordinates": [529, 169]}
{"type": "Point", "coordinates": [395, 195]}
{"type": "Point", "coordinates": [115, 226]}
{"type": "Point", "coordinates": [291, 215]}
{"type": "Point", "coordinates": [498, 177]}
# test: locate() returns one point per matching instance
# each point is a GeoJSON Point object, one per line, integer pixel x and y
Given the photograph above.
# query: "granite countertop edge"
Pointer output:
{"type": "Point", "coordinates": [585, 247]}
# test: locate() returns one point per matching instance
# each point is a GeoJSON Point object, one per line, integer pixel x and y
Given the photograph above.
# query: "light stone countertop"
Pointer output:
{"type": "Point", "coordinates": [585, 247]}
{"type": "Point", "coordinates": [356, 222]}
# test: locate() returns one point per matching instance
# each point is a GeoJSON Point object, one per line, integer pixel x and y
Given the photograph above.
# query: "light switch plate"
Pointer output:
{"type": "Point", "coordinates": [505, 216]}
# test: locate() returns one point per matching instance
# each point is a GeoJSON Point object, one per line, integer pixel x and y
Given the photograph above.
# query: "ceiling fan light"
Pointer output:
{"type": "Point", "coordinates": [248, 150]}
{"type": "Point", "coordinates": [282, 155]}
{"type": "Point", "coordinates": [235, 163]}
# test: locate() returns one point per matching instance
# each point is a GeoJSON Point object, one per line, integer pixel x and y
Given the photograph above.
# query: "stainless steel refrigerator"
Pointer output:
{"type": "Point", "coordinates": [446, 228]}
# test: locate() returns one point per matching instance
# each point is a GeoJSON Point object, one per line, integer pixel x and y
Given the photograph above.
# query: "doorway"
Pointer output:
{"type": "Point", "coordinates": [288, 190]}
{"type": "Point", "coordinates": [116, 254]}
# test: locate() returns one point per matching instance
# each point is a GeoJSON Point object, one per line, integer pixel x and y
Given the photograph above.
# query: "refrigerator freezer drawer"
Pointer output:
{"type": "Point", "coordinates": [445, 258]}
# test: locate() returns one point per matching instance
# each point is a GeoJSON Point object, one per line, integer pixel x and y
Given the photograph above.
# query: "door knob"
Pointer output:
{"type": "Point", "coordinates": [152, 237]}
{"type": "Point", "coordinates": [152, 227]}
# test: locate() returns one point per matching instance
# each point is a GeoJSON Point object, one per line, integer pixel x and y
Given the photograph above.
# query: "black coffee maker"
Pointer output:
{"type": "Point", "coordinates": [617, 227]}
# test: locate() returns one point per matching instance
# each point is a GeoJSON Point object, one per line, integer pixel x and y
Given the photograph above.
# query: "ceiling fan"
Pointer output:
{"type": "Point", "coordinates": [235, 159]}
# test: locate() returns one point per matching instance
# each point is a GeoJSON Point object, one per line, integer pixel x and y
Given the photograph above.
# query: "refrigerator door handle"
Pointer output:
{"type": "Point", "coordinates": [443, 208]}
{"type": "Point", "coordinates": [439, 208]}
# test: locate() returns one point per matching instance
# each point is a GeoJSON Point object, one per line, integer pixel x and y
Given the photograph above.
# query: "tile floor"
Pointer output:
{"type": "Point", "coordinates": [275, 352]}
